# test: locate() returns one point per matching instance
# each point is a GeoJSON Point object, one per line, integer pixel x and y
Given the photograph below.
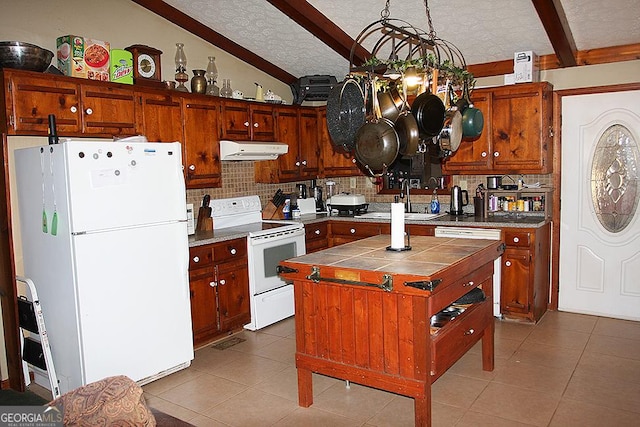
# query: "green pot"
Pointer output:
{"type": "Point", "coordinates": [472, 122]}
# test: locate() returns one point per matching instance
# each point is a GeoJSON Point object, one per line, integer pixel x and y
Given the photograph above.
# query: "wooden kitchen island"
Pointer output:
{"type": "Point", "coordinates": [363, 313]}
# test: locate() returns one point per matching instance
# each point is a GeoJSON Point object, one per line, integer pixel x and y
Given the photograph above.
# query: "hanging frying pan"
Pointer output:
{"type": "Point", "coordinates": [345, 113]}
{"type": "Point", "coordinates": [376, 141]}
{"type": "Point", "coordinates": [451, 133]}
{"type": "Point", "coordinates": [428, 110]}
{"type": "Point", "coordinates": [407, 129]}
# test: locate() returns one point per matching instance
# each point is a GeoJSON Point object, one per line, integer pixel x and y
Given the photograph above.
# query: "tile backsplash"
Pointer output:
{"type": "Point", "coordinates": [238, 180]}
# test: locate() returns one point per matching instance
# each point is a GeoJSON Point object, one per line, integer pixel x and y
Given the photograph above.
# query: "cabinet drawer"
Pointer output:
{"type": "Point", "coordinates": [315, 231]}
{"type": "Point", "coordinates": [355, 229]}
{"type": "Point", "coordinates": [443, 295]}
{"type": "Point", "coordinates": [458, 336]}
{"type": "Point", "coordinates": [517, 238]}
{"type": "Point", "coordinates": [232, 249]}
{"type": "Point", "coordinates": [200, 257]}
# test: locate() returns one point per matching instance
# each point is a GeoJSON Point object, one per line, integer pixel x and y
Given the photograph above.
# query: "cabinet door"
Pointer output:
{"type": "Point", "coordinates": [201, 145]}
{"type": "Point", "coordinates": [308, 142]}
{"type": "Point", "coordinates": [474, 155]}
{"type": "Point", "coordinates": [520, 129]}
{"type": "Point", "coordinates": [108, 110]}
{"type": "Point", "coordinates": [160, 116]}
{"type": "Point", "coordinates": [235, 121]}
{"type": "Point", "coordinates": [30, 100]}
{"type": "Point", "coordinates": [516, 283]}
{"type": "Point", "coordinates": [288, 132]}
{"type": "Point", "coordinates": [233, 295]}
{"type": "Point", "coordinates": [335, 161]}
{"type": "Point", "coordinates": [262, 122]}
{"type": "Point", "coordinates": [204, 308]}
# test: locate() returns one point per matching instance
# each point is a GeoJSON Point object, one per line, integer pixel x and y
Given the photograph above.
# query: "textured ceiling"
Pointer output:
{"type": "Point", "coordinates": [485, 31]}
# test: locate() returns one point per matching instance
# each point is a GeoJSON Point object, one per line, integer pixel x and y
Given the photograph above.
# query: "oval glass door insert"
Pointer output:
{"type": "Point", "coordinates": [614, 178]}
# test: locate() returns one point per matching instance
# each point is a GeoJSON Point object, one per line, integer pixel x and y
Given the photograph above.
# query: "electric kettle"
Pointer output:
{"type": "Point", "coordinates": [457, 202]}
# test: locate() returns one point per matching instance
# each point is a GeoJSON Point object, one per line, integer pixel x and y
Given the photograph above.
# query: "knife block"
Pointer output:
{"type": "Point", "coordinates": [205, 222]}
{"type": "Point", "coordinates": [271, 211]}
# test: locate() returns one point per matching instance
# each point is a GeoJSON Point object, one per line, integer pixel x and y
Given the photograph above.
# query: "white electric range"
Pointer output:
{"type": "Point", "coordinates": [268, 243]}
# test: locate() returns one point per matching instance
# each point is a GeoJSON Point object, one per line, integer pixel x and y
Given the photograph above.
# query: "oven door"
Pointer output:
{"type": "Point", "coordinates": [266, 252]}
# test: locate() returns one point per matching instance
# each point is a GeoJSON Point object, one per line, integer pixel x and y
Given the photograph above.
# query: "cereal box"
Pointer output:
{"type": "Point", "coordinates": [121, 69]}
{"type": "Point", "coordinates": [83, 57]}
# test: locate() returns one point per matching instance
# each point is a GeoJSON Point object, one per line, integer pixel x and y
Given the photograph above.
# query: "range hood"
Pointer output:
{"type": "Point", "coordinates": [251, 150]}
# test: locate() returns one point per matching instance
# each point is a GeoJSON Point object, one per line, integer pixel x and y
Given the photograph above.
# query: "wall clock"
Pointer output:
{"type": "Point", "coordinates": [146, 65]}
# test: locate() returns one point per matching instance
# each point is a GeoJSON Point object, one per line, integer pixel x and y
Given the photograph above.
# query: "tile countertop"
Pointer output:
{"type": "Point", "coordinates": [510, 220]}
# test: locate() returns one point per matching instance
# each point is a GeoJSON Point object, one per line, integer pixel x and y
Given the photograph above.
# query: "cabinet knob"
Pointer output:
{"type": "Point", "coordinates": [352, 231]}
{"type": "Point", "coordinates": [304, 163]}
{"type": "Point", "coordinates": [196, 259]}
{"type": "Point", "coordinates": [297, 163]}
{"type": "Point", "coordinates": [233, 251]}
{"type": "Point", "coordinates": [73, 109]}
{"type": "Point", "coordinates": [508, 263]}
{"type": "Point", "coordinates": [255, 125]}
{"type": "Point", "coordinates": [222, 282]}
{"type": "Point", "coordinates": [213, 284]}
{"type": "Point", "coordinates": [496, 154]}
{"type": "Point", "coordinates": [317, 232]}
{"type": "Point", "coordinates": [516, 240]}
{"type": "Point", "coordinates": [246, 124]}
{"type": "Point", "coordinates": [469, 332]}
{"type": "Point", "coordinates": [88, 111]}
{"type": "Point", "coordinates": [484, 154]}
{"type": "Point", "coordinates": [469, 283]}
{"type": "Point", "coordinates": [192, 167]}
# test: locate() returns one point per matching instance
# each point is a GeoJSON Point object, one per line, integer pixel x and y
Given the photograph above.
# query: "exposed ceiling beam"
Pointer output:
{"type": "Point", "coordinates": [195, 27]}
{"type": "Point", "coordinates": [320, 26]}
{"type": "Point", "coordinates": [555, 24]}
{"type": "Point", "coordinates": [604, 55]}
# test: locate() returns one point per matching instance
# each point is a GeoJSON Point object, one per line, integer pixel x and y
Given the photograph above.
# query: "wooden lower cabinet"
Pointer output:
{"type": "Point", "coordinates": [219, 289]}
{"type": "Point", "coordinates": [525, 272]}
{"type": "Point", "coordinates": [316, 236]}
{"type": "Point", "coordinates": [349, 231]}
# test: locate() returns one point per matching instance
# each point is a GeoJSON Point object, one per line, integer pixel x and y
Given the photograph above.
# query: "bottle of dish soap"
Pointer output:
{"type": "Point", "coordinates": [435, 203]}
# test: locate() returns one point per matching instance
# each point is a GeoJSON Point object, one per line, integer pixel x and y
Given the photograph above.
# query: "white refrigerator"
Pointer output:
{"type": "Point", "coordinates": [104, 236]}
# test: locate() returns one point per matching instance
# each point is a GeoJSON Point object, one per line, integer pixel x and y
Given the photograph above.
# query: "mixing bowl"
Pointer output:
{"type": "Point", "coordinates": [24, 56]}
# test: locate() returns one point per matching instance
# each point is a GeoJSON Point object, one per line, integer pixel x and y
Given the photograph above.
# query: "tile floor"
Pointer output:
{"type": "Point", "coordinates": [568, 370]}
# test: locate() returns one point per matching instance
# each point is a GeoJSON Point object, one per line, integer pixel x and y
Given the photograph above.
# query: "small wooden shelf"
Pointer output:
{"type": "Point", "coordinates": [525, 194]}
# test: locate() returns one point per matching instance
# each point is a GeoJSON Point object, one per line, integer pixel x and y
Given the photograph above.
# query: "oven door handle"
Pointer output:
{"type": "Point", "coordinates": [386, 285]}
{"type": "Point", "coordinates": [281, 269]}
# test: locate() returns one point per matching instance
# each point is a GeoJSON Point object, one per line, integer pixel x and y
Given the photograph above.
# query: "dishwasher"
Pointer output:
{"type": "Point", "coordinates": [479, 233]}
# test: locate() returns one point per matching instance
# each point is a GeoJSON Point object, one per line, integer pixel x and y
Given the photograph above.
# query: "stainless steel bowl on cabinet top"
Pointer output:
{"type": "Point", "coordinates": [24, 56]}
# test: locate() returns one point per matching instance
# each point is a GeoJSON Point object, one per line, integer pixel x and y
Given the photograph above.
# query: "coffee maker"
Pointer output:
{"type": "Point", "coordinates": [317, 196]}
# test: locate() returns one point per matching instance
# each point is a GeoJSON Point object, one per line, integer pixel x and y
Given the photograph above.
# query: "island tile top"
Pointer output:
{"type": "Point", "coordinates": [427, 256]}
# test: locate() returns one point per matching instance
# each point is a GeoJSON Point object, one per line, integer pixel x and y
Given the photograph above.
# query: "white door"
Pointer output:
{"type": "Point", "coordinates": [600, 217]}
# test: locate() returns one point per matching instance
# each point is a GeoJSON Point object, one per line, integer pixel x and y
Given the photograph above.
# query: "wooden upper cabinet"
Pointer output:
{"type": "Point", "coordinates": [309, 148]}
{"type": "Point", "coordinates": [160, 116]}
{"type": "Point", "coordinates": [245, 121]}
{"type": "Point", "coordinates": [108, 110]}
{"type": "Point", "coordinates": [30, 99]}
{"type": "Point", "coordinates": [335, 161]}
{"type": "Point", "coordinates": [517, 134]}
{"type": "Point", "coordinates": [201, 145]}
{"type": "Point", "coordinates": [262, 122]}
{"type": "Point", "coordinates": [288, 131]}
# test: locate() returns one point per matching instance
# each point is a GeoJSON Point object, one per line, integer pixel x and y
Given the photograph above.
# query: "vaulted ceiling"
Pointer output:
{"type": "Point", "coordinates": [289, 39]}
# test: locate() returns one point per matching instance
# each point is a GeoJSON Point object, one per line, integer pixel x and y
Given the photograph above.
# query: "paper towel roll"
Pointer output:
{"type": "Point", "coordinates": [397, 226]}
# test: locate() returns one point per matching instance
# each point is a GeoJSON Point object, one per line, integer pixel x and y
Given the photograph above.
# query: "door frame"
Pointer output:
{"type": "Point", "coordinates": [557, 174]}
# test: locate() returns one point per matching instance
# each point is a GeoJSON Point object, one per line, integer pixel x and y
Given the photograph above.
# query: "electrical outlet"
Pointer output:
{"type": "Point", "coordinates": [463, 185]}
{"type": "Point", "coordinates": [352, 182]}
